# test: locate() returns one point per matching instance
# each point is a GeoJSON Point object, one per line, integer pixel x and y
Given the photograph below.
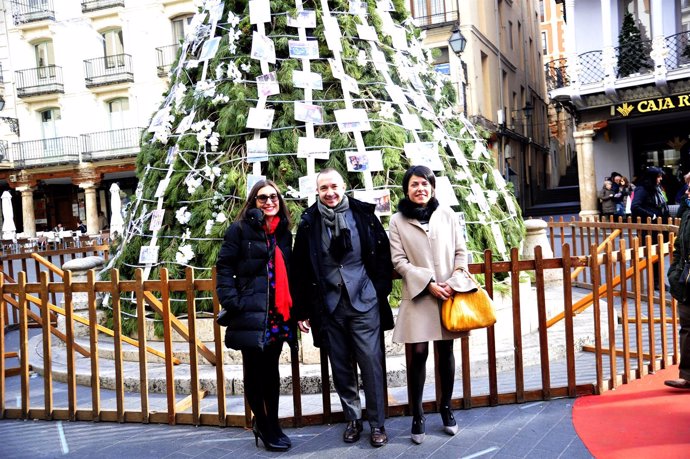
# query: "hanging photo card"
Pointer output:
{"type": "Point", "coordinates": [304, 49]}
{"type": "Point", "coordinates": [259, 11]}
{"type": "Point", "coordinates": [156, 220]}
{"type": "Point", "coordinates": [257, 150]}
{"type": "Point", "coordinates": [307, 80]}
{"type": "Point", "coordinates": [148, 255]}
{"type": "Point", "coordinates": [331, 30]}
{"type": "Point", "coordinates": [185, 123]}
{"type": "Point", "coordinates": [160, 118]}
{"type": "Point", "coordinates": [424, 154]}
{"type": "Point", "coordinates": [349, 84]}
{"type": "Point", "coordinates": [411, 122]}
{"type": "Point", "coordinates": [509, 204]}
{"type": "Point", "coordinates": [396, 94]}
{"type": "Point", "coordinates": [263, 48]}
{"type": "Point", "coordinates": [307, 186]}
{"type": "Point", "coordinates": [361, 161]}
{"type": "Point", "coordinates": [385, 5]}
{"type": "Point", "coordinates": [215, 13]}
{"type": "Point", "coordinates": [399, 38]}
{"type": "Point", "coordinates": [358, 7]}
{"type": "Point", "coordinates": [380, 198]}
{"type": "Point", "coordinates": [260, 118]}
{"type": "Point", "coordinates": [416, 81]}
{"type": "Point", "coordinates": [444, 191]}
{"type": "Point", "coordinates": [308, 113]}
{"type": "Point", "coordinates": [379, 59]}
{"type": "Point", "coordinates": [498, 178]}
{"type": "Point", "coordinates": [336, 68]}
{"type": "Point", "coordinates": [304, 18]}
{"type": "Point", "coordinates": [457, 152]}
{"type": "Point", "coordinates": [311, 147]}
{"type": "Point", "coordinates": [419, 100]}
{"type": "Point", "coordinates": [267, 84]}
{"type": "Point", "coordinates": [171, 155]}
{"type": "Point", "coordinates": [367, 32]}
{"type": "Point", "coordinates": [352, 120]}
{"type": "Point", "coordinates": [210, 48]}
{"type": "Point", "coordinates": [251, 181]}
{"type": "Point", "coordinates": [498, 239]}
{"type": "Point", "coordinates": [479, 197]}
{"type": "Point", "coordinates": [162, 186]}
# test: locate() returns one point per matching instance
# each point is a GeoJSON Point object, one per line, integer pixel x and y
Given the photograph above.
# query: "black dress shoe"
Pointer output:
{"type": "Point", "coordinates": [678, 383]}
{"type": "Point", "coordinates": [378, 436]}
{"type": "Point", "coordinates": [352, 431]}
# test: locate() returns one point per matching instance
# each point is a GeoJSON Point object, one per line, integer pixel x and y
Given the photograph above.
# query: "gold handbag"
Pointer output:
{"type": "Point", "coordinates": [466, 311]}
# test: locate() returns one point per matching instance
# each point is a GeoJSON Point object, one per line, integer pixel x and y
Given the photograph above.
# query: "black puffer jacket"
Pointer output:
{"type": "Point", "coordinates": [681, 252]}
{"type": "Point", "coordinates": [242, 279]}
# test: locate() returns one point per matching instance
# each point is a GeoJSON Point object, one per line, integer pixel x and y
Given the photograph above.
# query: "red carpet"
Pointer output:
{"type": "Point", "coordinates": [643, 419]}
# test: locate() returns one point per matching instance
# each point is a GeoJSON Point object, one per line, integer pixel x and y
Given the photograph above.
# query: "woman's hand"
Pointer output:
{"type": "Point", "coordinates": [304, 325]}
{"type": "Point", "coordinates": [440, 290]}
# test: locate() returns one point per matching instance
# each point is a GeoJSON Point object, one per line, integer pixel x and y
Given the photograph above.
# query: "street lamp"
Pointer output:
{"type": "Point", "coordinates": [457, 41]}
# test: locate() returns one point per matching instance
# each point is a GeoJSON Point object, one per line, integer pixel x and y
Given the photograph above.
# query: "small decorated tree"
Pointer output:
{"type": "Point", "coordinates": [282, 89]}
{"type": "Point", "coordinates": [633, 52]}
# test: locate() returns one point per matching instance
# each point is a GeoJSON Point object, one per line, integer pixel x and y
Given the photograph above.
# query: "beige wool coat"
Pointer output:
{"type": "Point", "coordinates": [417, 258]}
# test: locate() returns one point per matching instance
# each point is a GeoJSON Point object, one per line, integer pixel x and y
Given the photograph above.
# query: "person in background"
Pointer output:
{"type": "Point", "coordinates": [625, 189]}
{"type": "Point", "coordinates": [81, 227]}
{"type": "Point", "coordinates": [680, 196]}
{"type": "Point", "coordinates": [678, 290]}
{"type": "Point", "coordinates": [428, 250]}
{"type": "Point", "coordinates": [253, 289]}
{"type": "Point", "coordinates": [102, 221]}
{"type": "Point", "coordinates": [342, 278]}
{"type": "Point", "coordinates": [59, 228]}
{"type": "Point", "coordinates": [606, 197]}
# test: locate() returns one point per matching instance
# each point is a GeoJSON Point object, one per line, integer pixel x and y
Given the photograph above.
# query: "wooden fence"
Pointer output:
{"type": "Point", "coordinates": [643, 345]}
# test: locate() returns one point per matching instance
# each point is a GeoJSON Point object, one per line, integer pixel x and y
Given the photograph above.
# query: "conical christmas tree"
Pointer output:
{"type": "Point", "coordinates": [633, 53]}
{"type": "Point", "coordinates": [282, 89]}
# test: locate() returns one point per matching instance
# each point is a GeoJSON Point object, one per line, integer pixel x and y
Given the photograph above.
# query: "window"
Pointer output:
{"type": "Point", "coordinates": [640, 9]}
{"type": "Point", "coordinates": [45, 59]}
{"type": "Point", "coordinates": [684, 15]}
{"type": "Point", "coordinates": [510, 34]}
{"type": "Point", "coordinates": [429, 11]}
{"type": "Point", "coordinates": [541, 11]}
{"type": "Point", "coordinates": [50, 120]}
{"type": "Point", "coordinates": [118, 111]}
{"type": "Point", "coordinates": [544, 45]}
{"type": "Point", "coordinates": [113, 48]}
{"type": "Point", "coordinates": [179, 27]}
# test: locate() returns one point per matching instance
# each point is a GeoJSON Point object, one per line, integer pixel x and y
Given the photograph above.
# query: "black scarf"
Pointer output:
{"type": "Point", "coordinates": [334, 220]}
{"type": "Point", "coordinates": [417, 212]}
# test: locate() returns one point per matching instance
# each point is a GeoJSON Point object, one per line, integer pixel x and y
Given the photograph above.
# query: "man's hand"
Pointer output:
{"type": "Point", "coordinates": [304, 325]}
{"type": "Point", "coordinates": [440, 290]}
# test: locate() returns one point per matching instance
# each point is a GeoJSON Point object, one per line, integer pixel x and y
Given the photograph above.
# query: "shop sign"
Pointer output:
{"type": "Point", "coordinates": [659, 104]}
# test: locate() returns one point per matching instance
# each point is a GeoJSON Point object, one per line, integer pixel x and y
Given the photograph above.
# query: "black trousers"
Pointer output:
{"type": "Point", "coordinates": [684, 341]}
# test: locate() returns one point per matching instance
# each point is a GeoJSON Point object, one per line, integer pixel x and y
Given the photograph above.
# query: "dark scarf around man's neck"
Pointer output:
{"type": "Point", "coordinates": [334, 220]}
{"type": "Point", "coordinates": [417, 212]}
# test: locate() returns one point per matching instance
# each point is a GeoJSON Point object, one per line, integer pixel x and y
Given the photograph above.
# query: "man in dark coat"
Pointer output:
{"type": "Point", "coordinates": [341, 274]}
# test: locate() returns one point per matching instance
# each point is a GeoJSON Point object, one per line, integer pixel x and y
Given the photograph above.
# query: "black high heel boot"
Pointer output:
{"type": "Point", "coordinates": [449, 425]}
{"type": "Point", "coordinates": [271, 444]}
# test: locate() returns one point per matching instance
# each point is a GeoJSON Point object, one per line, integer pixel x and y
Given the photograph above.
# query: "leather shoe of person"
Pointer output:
{"type": "Point", "coordinates": [678, 383]}
{"type": "Point", "coordinates": [378, 436]}
{"type": "Point", "coordinates": [352, 431]}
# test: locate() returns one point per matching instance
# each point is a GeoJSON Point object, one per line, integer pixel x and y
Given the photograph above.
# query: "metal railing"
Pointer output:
{"type": "Point", "coordinates": [94, 5]}
{"type": "Point", "coordinates": [24, 11]}
{"type": "Point", "coordinates": [39, 80]}
{"type": "Point", "coordinates": [591, 67]}
{"type": "Point", "coordinates": [678, 47]}
{"type": "Point", "coordinates": [557, 74]}
{"type": "Point", "coordinates": [57, 150]}
{"type": "Point", "coordinates": [4, 151]}
{"type": "Point", "coordinates": [2, 78]}
{"type": "Point", "coordinates": [437, 18]}
{"type": "Point", "coordinates": [111, 144]}
{"type": "Point", "coordinates": [108, 70]}
{"type": "Point", "coordinates": [165, 57]}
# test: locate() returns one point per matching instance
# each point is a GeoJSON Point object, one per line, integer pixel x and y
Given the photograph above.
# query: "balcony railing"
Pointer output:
{"type": "Point", "coordinates": [94, 5]}
{"type": "Point", "coordinates": [108, 70]}
{"type": "Point", "coordinates": [166, 56]}
{"type": "Point", "coordinates": [631, 60]}
{"type": "Point", "coordinates": [24, 11]}
{"type": "Point", "coordinates": [2, 78]}
{"type": "Point", "coordinates": [4, 151]}
{"type": "Point", "coordinates": [58, 150]}
{"type": "Point", "coordinates": [437, 18]}
{"type": "Point", "coordinates": [111, 144]}
{"type": "Point", "coordinates": [39, 80]}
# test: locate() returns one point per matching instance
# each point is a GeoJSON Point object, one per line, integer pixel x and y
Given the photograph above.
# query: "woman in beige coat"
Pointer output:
{"type": "Point", "coordinates": [428, 251]}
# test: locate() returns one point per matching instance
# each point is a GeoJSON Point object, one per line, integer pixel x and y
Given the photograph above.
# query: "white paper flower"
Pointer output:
{"type": "Point", "coordinates": [460, 176]}
{"type": "Point", "coordinates": [209, 226]}
{"type": "Point", "coordinates": [491, 196]}
{"type": "Point", "coordinates": [221, 217]}
{"type": "Point", "coordinates": [206, 88]}
{"type": "Point", "coordinates": [246, 67]}
{"type": "Point", "coordinates": [220, 71]}
{"type": "Point", "coordinates": [184, 254]}
{"type": "Point", "coordinates": [387, 111]}
{"type": "Point", "coordinates": [233, 20]}
{"type": "Point", "coordinates": [192, 183]}
{"type": "Point", "coordinates": [213, 140]}
{"type": "Point", "coordinates": [187, 234]}
{"type": "Point", "coordinates": [182, 215]}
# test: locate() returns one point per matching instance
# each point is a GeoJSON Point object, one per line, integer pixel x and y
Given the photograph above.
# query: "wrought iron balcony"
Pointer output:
{"type": "Point", "coordinates": [111, 144]}
{"type": "Point", "coordinates": [426, 22]}
{"type": "Point", "coordinates": [108, 70]}
{"type": "Point", "coordinates": [94, 5]}
{"type": "Point", "coordinates": [39, 80]}
{"type": "Point", "coordinates": [58, 150]}
{"type": "Point", "coordinates": [25, 11]}
{"type": "Point", "coordinates": [678, 47]}
{"type": "Point", "coordinates": [166, 56]}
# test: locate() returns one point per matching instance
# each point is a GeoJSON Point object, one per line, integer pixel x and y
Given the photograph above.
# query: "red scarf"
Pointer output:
{"type": "Point", "coordinates": [283, 298]}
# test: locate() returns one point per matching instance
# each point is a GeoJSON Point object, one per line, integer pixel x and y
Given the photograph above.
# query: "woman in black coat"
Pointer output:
{"type": "Point", "coordinates": [253, 289]}
{"type": "Point", "coordinates": [681, 292]}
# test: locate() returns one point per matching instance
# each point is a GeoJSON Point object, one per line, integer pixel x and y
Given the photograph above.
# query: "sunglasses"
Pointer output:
{"type": "Point", "coordinates": [262, 198]}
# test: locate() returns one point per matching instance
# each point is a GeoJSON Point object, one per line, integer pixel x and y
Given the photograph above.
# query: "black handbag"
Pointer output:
{"type": "Point", "coordinates": [223, 318]}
